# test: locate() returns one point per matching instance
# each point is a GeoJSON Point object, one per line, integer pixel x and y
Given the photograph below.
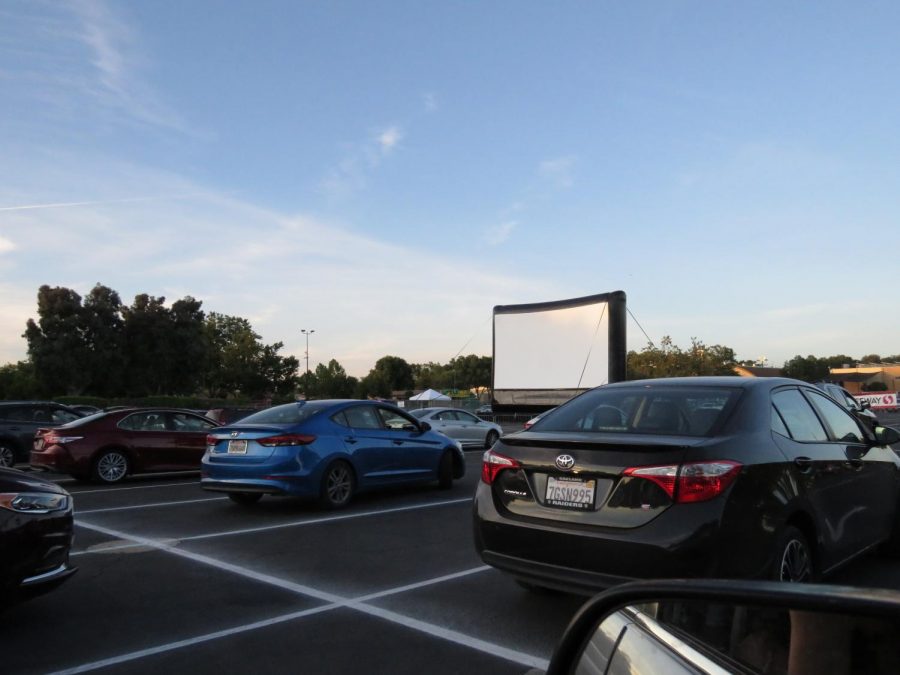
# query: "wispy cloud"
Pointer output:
{"type": "Point", "coordinates": [84, 60]}
{"type": "Point", "coordinates": [98, 202]}
{"type": "Point", "coordinates": [350, 174]}
{"type": "Point", "coordinates": [497, 234]}
{"type": "Point", "coordinates": [430, 101]}
{"type": "Point", "coordinates": [389, 138]}
{"type": "Point", "coordinates": [6, 245]}
{"type": "Point", "coordinates": [559, 171]}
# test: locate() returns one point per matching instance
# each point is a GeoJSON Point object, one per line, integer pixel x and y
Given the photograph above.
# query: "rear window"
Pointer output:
{"type": "Point", "coordinates": [81, 421]}
{"type": "Point", "coordinates": [290, 413]}
{"type": "Point", "coordinates": [661, 411]}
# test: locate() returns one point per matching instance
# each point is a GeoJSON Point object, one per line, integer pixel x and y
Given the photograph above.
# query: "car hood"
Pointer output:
{"type": "Point", "coordinates": [13, 480]}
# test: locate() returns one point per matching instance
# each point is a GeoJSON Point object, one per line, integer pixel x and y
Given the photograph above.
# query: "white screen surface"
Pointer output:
{"type": "Point", "coordinates": [549, 349]}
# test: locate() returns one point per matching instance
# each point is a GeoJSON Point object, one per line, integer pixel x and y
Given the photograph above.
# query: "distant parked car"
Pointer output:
{"type": "Point", "coordinates": [537, 418]}
{"type": "Point", "coordinates": [109, 446]}
{"type": "Point", "coordinates": [859, 410]}
{"type": "Point", "coordinates": [484, 410]}
{"type": "Point", "coordinates": [327, 450]}
{"type": "Point", "coordinates": [726, 477]}
{"type": "Point", "coordinates": [465, 427]}
{"type": "Point", "coordinates": [19, 420]}
{"type": "Point", "coordinates": [35, 536]}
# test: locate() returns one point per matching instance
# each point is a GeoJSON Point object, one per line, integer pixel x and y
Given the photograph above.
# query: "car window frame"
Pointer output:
{"type": "Point", "coordinates": [815, 413]}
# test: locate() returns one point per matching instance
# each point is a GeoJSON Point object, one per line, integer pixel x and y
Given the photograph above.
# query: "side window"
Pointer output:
{"type": "Point", "coordinates": [852, 403]}
{"type": "Point", "coordinates": [446, 416]}
{"type": "Point", "coordinates": [393, 419]}
{"type": "Point", "coordinates": [778, 424]}
{"type": "Point", "coordinates": [466, 417]}
{"type": "Point", "coordinates": [843, 426]}
{"type": "Point", "coordinates": [185, 422]}
{"type": "Point", "coordinates": [60, 416]}
{"type": "Point", "coordinates": [363, 417]}
{"type": "Point", "coordinates": [798, 416]}
{"type": "Point", "coordinates": [145, 421]}
{"type": "Point", "coordinates": [340, 418]}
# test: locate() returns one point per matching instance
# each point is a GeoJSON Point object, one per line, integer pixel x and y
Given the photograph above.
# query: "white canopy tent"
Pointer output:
{"type": "Point", "coordinates": [430, 395]}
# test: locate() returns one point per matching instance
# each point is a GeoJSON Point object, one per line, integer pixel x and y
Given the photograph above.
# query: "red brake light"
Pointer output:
{"type": "Point", "coordinates": [700, 481]}
{"type": "Point", "coordinates": [211, 440]}
{"type": "Point", "coordinates": [691, 482]}
{"type": "Point", "coordinates": [286, 439]}
{"type": "Point", "coordinates": [493, 463]}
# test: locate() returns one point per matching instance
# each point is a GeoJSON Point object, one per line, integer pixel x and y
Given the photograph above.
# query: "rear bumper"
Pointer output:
{"type": "Point", "coordinates": [52, 458]}
{"type": "Point", "coordinates": [681, 542]}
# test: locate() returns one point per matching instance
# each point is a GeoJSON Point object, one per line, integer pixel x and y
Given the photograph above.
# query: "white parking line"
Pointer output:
{"type": "Point", "coordinates": [278, 526]}
{"type": "Point", "coordinates": [132, 487]}
{"type": "Point", "coordinates": [333, 601]}
{"type": "Point", "coordinates": [151, 505]}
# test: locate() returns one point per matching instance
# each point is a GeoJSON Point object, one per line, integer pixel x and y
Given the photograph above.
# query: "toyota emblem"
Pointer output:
{"type": "Point", "coordinates": [234, 434]}
{"type": "Point", "coordinates": [565, 462]}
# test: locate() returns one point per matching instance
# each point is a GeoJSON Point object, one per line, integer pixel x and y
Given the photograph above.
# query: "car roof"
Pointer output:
{"type": "Point", "coordinates": [730, 381]}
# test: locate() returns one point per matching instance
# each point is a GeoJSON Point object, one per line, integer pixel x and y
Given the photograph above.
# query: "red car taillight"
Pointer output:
{"type": "Point", "coordinates": [53, 439]}
{"type": "Point", "coordinates": [493, 463]}
{"type": "Point", "coordinates": [286, 439]}
{"type": "Point", "coordinates": [690, 482]}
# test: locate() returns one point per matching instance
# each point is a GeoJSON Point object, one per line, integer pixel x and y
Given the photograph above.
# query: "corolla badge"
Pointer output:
{"type": "Point", "coordinates": [565, 462]}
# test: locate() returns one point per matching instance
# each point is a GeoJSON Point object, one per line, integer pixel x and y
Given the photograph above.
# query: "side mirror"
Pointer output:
{"type": "Point", "coordinates": [886, 436]}
{"type": "Point", "coordinates": [711, 626]}
{"type": "Point", "coordinates": [864, 405]}
{"type": "Point", "coordinates": [424, 426]}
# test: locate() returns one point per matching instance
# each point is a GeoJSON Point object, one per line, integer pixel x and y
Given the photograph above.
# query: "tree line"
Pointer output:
{"type": "Point", "coordinates": [100, 347]}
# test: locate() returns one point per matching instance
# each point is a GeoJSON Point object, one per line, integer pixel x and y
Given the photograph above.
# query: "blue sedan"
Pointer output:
{"type": "Point", "coordinates": [327, 450]}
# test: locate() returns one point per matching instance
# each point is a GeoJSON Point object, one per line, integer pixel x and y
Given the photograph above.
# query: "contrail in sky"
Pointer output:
{"type": "Point", "coordinates": [28, 207]}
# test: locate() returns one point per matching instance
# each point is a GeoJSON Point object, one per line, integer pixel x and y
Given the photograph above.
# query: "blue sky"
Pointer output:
{"type": "Point", "coordinates": [385, 173]}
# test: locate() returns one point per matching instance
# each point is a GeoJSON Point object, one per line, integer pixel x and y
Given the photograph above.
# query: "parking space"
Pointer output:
{"type": "Point", "coordinates": [175, 578]}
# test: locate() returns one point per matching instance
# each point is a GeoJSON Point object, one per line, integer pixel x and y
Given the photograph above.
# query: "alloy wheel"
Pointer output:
{"type": "Point", "coordinates": [7, 457]}
{"type": "Point", "coordinates": [338, 484]}
{"type": "Point", "coordinates": [796, 565]}
{"type": "Point", "coordinates": [112, 467]}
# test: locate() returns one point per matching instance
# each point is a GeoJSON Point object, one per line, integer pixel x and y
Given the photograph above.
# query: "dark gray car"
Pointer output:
{"type": "Point", "coordinates": [19, 420]}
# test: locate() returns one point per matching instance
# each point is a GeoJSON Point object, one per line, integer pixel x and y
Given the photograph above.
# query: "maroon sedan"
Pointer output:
{"type": "Point", "coordinates": [109, 446]}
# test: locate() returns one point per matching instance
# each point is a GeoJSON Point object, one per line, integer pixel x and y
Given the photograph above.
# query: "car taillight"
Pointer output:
{"type": "Point", "coordinates": [493, 463]}
{"type": "Point", "coordinates": [211, 440]}
{"type": "Point", "coordinates": [53, 439]}
{"type": "Point", "coordinates": [286, 439]}
{"type": "Point", "coordinates": [690, 482]}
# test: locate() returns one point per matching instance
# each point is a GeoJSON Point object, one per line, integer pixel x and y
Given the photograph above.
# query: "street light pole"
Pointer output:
{"type": "Point", "coordinates": [307, 333]}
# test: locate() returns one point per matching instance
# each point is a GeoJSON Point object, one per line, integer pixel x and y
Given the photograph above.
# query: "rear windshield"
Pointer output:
{"type": "Point", "coordinates": [289, 413]}
{"type": "Point", "coordinates": [660, 411]}
{"type": "Point", "coordinates": [84, 420]}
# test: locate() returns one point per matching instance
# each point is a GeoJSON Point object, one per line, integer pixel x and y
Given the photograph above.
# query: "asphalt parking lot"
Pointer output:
{"type": "Point", "coordinates": [175, 579]}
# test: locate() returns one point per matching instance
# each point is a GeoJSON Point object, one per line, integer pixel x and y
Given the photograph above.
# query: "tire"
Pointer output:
{"type": "Point", "coordinates": [245, 498]}
{"type": "Point", "coordinates": [7, 455]}
{"type": "Point", "coordinates": [794, 561]}
{"type": "Point", "coordinates": [111, 466]}
{"type": "Point", "coordinates": [491, 438]}
{"type": "Point", "coordinates": [445, 471]}
{"type": "Point", "coordinates": [338, 485]}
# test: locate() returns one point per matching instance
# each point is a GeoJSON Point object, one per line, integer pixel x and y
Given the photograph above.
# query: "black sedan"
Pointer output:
{"type": "Point", "coordinates": [35, 536]}
{"type": "Point", "coordinates": [687, 477]}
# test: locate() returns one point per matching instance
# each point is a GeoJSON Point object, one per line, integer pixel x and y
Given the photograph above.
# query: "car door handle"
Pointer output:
{"type": "Point", "coordinates": [855, 464]}
{"type": "Point", "coordinates": [804, 463]}
{"type": "Point", "coordinates": [350, 440]}
{"type": "Point", "coordinates": [398, 442]}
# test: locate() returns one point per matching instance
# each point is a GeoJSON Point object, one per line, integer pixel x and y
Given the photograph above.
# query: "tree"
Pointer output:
{"type": "Point", "coordinates": [468, 372]}
{"type": "Point", "coordinates": [390, 374]}
{"type": "Point", "coordinates": [669, 360]}
{"type": "Point", "coordinates": [332, 381]}
{"type": "Point", "coordinates": [147, 326]}
{"type": "Point", "coordinates": [104, 341]}
{"type": "Point", "coordinates": [808, 369]}
{"type": "Point", "coordinates": [18, 381]}
{"type": "Point", "coordinates": [56, 343]}
{"type": "Point", "coordinates": [870, 358]}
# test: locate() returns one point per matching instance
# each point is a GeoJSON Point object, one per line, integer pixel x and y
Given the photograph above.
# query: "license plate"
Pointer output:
{"type": "Point", "coordinates": [39, 443]}
{"type": "Point", "coordinates": [237, 447]}
{"type": "Point", "coordinates": [570, 493]}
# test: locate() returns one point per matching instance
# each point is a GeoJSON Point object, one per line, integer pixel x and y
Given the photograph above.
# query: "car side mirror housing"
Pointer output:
{"type": "Point", "coordinates": [424, 426]}
{"type": "Point", "coordinates": [864, 405]}
{"type": "Point", "coordinates": [886, 436]}
{"type": "Point", "coordinates": [710, 625]}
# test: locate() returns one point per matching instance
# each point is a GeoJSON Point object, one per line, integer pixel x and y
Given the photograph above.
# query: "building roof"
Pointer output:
{"type": "Point", "coordinates": [758, 371]}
